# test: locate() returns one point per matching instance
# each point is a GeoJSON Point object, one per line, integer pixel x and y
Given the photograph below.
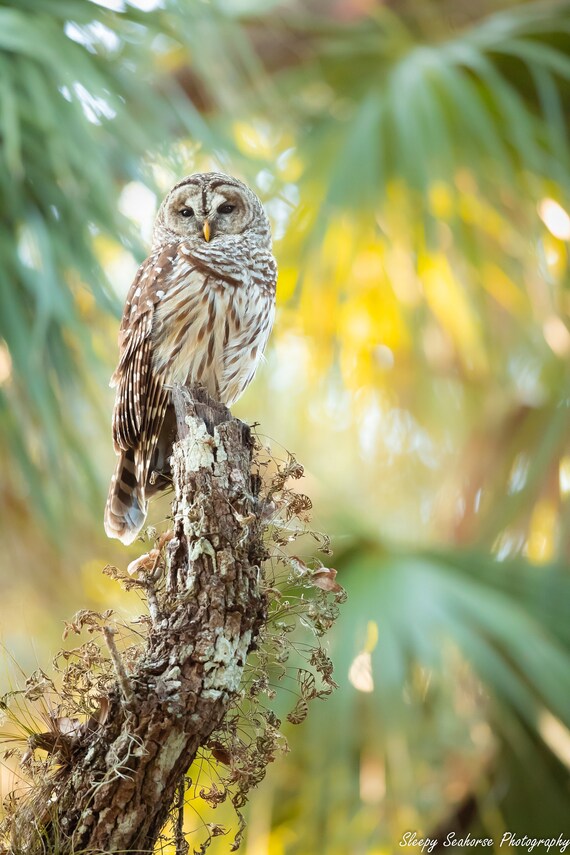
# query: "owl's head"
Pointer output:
{"type": "Point", "coordinates": [210, 207]}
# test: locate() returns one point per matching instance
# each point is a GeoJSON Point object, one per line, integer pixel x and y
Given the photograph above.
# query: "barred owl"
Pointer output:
{"type": "Point", "coordinates": [199, 311]}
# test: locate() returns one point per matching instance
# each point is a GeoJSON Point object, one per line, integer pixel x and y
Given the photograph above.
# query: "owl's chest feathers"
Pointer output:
{"type": "Point", "coordinates": [203, 334]}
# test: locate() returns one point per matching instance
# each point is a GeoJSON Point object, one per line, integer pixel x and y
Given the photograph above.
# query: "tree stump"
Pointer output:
{"type": "Point", "coordinates": [119, 775]}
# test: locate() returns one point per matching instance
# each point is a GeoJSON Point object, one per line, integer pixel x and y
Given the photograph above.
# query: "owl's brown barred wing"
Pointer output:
{"type": "Point", "coordinates": [141, 399]}
{"type": "Point", "coordinates": [146, 290]}
{"type": "Point", "coordinates": [131, 394]}
{"type": "Point", "coordinates": [134, 370]}
{"type": "Point", "coordinates": [158, 397]}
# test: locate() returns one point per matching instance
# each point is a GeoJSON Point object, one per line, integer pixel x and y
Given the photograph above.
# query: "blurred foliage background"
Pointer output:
{"type": "Point", "coordinates": [413, 156]}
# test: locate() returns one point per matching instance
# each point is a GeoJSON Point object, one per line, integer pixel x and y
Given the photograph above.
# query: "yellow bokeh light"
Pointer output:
{"type": "Point", "coordinates": [450, 304]}
{"type": "Point", "coordinates": [541, 543]}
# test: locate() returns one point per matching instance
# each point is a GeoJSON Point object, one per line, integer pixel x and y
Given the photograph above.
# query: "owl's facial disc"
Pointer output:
{"type": "Point", "coordinates": [206, 213]}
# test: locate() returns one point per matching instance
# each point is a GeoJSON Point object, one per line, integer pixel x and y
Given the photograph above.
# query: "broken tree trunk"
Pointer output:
{"type": "Point", "coordinates": [118, 779]}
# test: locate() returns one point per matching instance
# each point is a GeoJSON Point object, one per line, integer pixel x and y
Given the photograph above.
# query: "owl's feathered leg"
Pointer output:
{"type": "Point", "coordinates": [125, 511]}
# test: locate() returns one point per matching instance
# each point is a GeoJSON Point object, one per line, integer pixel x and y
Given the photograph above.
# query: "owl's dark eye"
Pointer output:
{"type": "Point", "coordinates": [186, 212]}
{"type": "Point", "coordinates": [226, 209]}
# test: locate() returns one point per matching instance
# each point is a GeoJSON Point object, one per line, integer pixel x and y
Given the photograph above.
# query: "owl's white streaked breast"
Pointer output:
{"type": "Point", "coordinates": [210, 332]}
{"type": "Point", "coordinates": [243, 352]}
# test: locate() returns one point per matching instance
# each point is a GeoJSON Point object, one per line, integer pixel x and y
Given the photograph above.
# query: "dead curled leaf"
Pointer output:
{"type": "Point", "coordinates": [66, 726]}
{"type": "Point", "coordinates": [220, 752]}
{"type": "Point", "coordinates": [215, 829]}
{"type": "Point", "coordinates": [213, 796]}
{"type": "Point", "coordinates": [299, 566]}
{"type": "Point", "coordinates": [299, 712]}
{"type": "Point", "coordinates": [325, 579]}
{"type": "Point", "coordinates": [145, 563]}
{"type": "Point", "coordinates": [37, 685]}
{"type": "Point", "coordinates": [165, 538]}
{"type": "Point", "coordinates": [148, 562]}
{"type": "Point", "coordinates": [86, 619]}
{"type": "Point", "coordinates": [99, 717]}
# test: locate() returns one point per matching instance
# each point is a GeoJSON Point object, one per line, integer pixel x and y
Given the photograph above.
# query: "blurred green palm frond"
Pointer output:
{"type": "Point", "coordinates": [454, 673]}
{"type": "Point", "coordinates": [391, 103]}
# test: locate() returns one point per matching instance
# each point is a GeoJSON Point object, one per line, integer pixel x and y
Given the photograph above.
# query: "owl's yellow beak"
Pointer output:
{"type": "Point", "coordinates": [207, 230]}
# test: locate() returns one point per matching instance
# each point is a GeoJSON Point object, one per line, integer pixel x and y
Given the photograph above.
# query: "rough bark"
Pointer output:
{"type": "Point", "coordinates": [115, 791]}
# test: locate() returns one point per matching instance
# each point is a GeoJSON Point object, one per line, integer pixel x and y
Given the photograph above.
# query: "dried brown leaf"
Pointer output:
{"type": "Point", "coordinates": [213, 796]}
{"type": "Point", "coordinates": [324, 578]}
{"type": "Point", "coordinates": [220, 753]}
{"type": "Point", "coordinates": [307, 684]}
{"type": "Point", "coordinates": [66, 726]}
{"type": "Point", "coordinates": [299, 712]}
{"type": "Point", "coordinates": [37, 685]}
{"type": "Point", "coordinates": [145, 563]}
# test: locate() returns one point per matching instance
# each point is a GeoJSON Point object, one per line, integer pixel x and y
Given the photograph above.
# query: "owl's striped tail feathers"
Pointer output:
{"type": "Point", "coordinates": [125, 511]}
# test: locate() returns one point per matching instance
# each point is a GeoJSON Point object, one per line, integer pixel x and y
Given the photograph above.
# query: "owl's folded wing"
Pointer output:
{"type": "Point", "coordinates": [139, 390]}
